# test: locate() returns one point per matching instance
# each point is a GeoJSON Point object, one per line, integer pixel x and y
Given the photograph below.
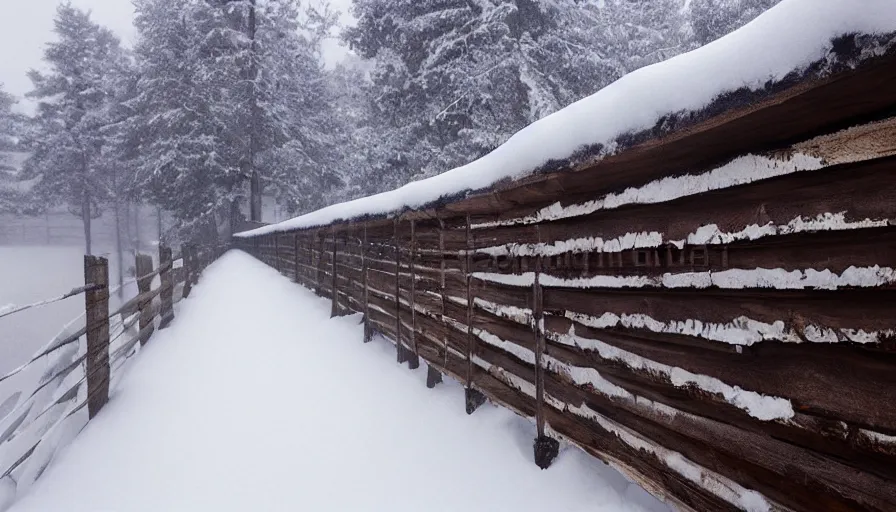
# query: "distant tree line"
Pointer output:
{"type": "Point", "coordinates": [222, 101]}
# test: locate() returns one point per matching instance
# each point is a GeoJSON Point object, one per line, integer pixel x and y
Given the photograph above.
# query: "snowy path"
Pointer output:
{"type": "Point", "coordinates": [255, 400]}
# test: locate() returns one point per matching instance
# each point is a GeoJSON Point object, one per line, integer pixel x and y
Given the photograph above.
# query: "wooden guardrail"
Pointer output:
{"type": "Point", "coordinates": [78, 376]}
{"type": "Point", "coordinates": [711, 311]}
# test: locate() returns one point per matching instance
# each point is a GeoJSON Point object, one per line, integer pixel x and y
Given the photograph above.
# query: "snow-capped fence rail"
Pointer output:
{"type": "Point", "coordinates": [710, 310]}
{"type": "Point", "coordinates": [36, 419]}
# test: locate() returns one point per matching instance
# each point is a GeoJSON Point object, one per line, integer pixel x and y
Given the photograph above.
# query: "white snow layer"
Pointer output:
{"type": "Point", "coordinates": [777, 278]}
{"type": "Point", "coordinates": [739, 331]}
{"type": "Point", "coordinates": [709, 234]}
{"type": "Point", "coordinates": [741, 170]}
{"type": "Point", "coordinates": [254, 399]}
{"type": "Point", "coordinates": [728, 490]}
{"type": "Point", "coordinates": [759, 406]}
{"type": "Point", "coordinates": [787, 37]}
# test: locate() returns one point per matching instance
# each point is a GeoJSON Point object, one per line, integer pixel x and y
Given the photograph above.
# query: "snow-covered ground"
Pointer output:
{"type": "Point", "coordinates": [28, 275]}
{"type": "Point", "coordinates": [255, 400]}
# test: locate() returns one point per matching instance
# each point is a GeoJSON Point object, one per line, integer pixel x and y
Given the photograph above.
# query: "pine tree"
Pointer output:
{"type": "Point", "coordinates": [184, 126]}
{"type": "Point", "coordinates": [454, 78]}
{"type": "Point", "coordinates": [289, 122]}
{"type": "Point", "coordinates": [9, 127]}
{"type": "Point", "coordinates": [68, 150]}
{"type": "Point", "coordinates": [10, 124]}
{"type": "Point", "coordinates": [231, 93]}
{"type": "Point", "coordinates": [712, 19]}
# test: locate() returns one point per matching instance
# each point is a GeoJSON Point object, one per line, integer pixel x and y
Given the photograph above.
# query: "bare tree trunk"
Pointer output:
{"type": "Point", "coordinates": [129, 239]}
{"type": "Point", "coordinates": [118, 248]}
{"type": "Point", "coordinates": [136, 228]}
{"type": "Point", "coordinates": [85, 219]}
{"type": "Point", "coordinates": [235, 216]}
{"type": "Point", "coordinates": [255, 201]}
{"type": "Point", "coordinates": [159, 217]}
{"type": "Point", "coordinates": [255, 194]}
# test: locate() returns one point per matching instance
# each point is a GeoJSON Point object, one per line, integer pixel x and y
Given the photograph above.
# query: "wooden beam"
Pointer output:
{"type": "Point", "coordinates": [413, 358]}
{"type": "Point", "coordinates": [144, 268]}
{"type": "Point", "coordinates": [167, 286]}
{"type": "Point", "coordinates": [96, 302]}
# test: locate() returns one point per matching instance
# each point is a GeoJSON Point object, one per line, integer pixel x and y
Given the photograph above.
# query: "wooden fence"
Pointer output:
{"type": "Point", "coordinates": [710, 311]}
{"type": "Point", "coordinates": [81, 377]}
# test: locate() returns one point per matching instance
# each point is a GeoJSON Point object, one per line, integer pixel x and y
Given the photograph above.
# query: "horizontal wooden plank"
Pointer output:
{"type": "Point", "coordinates": [799, 310]}
{"type": "Point", "coordinates": [777, 200]}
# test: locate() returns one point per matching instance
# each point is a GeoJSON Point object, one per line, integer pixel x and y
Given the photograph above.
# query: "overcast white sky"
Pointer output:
{"type": "Point", "coordinates": [27, 25]}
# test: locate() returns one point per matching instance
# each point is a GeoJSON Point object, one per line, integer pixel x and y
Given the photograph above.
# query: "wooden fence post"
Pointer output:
{"type": "Point", "coordinates": [368, 334]}
{"type": "Point", "coordinates": [320, 261]}
{"type": "Point", "coordinates": [295, 259]}
{"type": "Point", "coordinates": [334, 305]}
{"type": "Point", "coordinates": [96, 302]}
{"type": "Point", "coordinates": [195, 265]}
{"type": "Point", "coordinates": [188, 268]}
{"type": "Point", "coordinates": [277, 264]}
{"type": "Point", "coordinates": [398, 346]}
{"type": "Point", "coordinates": [546, 448]}
{"type": "Point", "coordinates": [144, 284]}
{"type": "Point", "coordinates": [308, 273]}
{"type": "Point", "coordinates": [474, 398]}
{"type": "Point", "coordinates": [433, 376]}
{"type": "Point", "coordinates": [413, 357]}
{"type": "Point", "coordinates": [167, 287]}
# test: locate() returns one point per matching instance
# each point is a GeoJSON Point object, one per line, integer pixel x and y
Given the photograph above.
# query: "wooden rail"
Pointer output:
{"type": "Point", "coordinates": [82, 378]}
{"type": "Point", "coordinates": [711, 312]}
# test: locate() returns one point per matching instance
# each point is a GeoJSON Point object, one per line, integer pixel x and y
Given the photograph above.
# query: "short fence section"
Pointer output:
{"type": "Point", "coordinates": [75, 385]}
{"type": "Point", "coordinates": [724, 337]}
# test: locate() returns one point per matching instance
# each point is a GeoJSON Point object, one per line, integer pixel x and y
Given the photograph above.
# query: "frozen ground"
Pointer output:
{"type": "Point", "coordinates": [255, 400]}
{"type": "Point", "coordinates": [30, 274]}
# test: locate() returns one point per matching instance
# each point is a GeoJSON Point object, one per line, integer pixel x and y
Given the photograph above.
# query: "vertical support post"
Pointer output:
{"type": "Point", "coordinates": [320, 260]}
{"type": "Point", "coordinates": [308, 273]}
{"type": "Point", "coordinates": [96, 302]}
{"type": "Point", "coordinates": [334, 307]}
{"type": "Point", "coordinates": [167, 286]}
{"type": "Point", "coordinates": [413, 357]}
{"type": "Point", "coordinates": [277, 264]}
{"type": "Point", "coordinates": [295, 259]}
{"type": "Point", "coordinates": [368, 332]}
{"type": "Point", "coordinates": [438, 379]}
{"type": "Point", "coordinates": [474, 398]}
{"type": "Point", "coordinates": [196, 257]}
{"type": "Point", "coordinates": [399, 348]}
{"type": "Point", "coordinates": [144, 284]}
{"type": "Point", "coordinates": [433, 377]}
{"type": "Point", "coordinates": [545, 448]}
{"type": "Point", "coordinates": [188, 270]}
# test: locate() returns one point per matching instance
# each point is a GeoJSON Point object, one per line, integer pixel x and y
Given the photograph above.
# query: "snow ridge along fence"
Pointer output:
{"type": "Point", "coordinates": [44, 414]}
{"type": "Point", "coordinates": [711, 311]}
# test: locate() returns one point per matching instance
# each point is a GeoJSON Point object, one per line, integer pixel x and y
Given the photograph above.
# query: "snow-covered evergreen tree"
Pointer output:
{"type": "Point", "coordinates": [68, 149]}
{"type": "Point", "coordinates": [231, 92]}
{"type": "Point", "coordinates": [455, 78]}
{"type": "Point", "coordinates": [9, 123]}
{"type": "Point", "coordinates": [290, 128]}
{"type": "Point", "coordinates": [452, 79]}
{"type": "Point", "coordinates": [712, 19]}
{"type": "Point", "coordinates": [9, 129]}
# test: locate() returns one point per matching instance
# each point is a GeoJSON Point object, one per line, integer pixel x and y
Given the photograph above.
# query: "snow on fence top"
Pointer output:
{"type": "Point", "coordinates": [786, 39]}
